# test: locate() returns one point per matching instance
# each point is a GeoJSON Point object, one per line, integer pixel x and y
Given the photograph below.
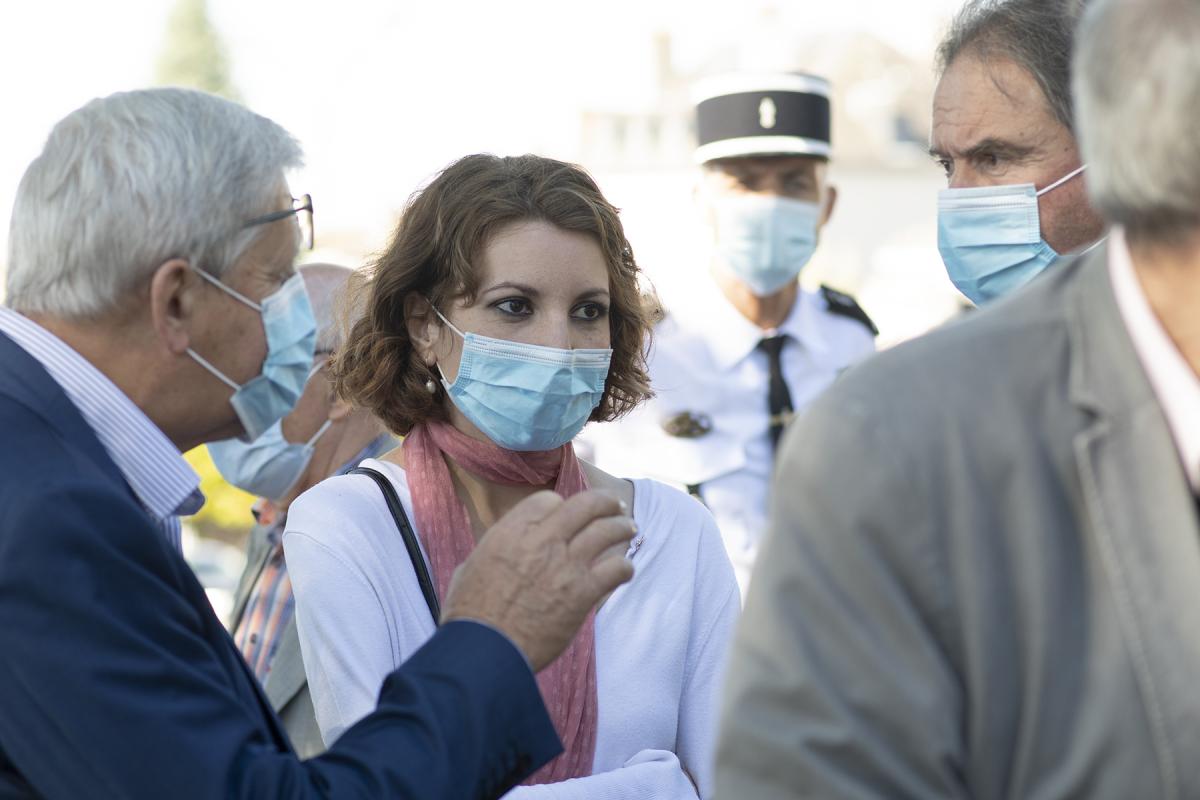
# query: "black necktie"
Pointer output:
{"type": "Point", "coordinates": [779, 399]}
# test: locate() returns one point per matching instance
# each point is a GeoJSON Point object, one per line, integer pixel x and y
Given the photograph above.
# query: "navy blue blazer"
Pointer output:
{"type": "Point", "coordinates": [117, 679]}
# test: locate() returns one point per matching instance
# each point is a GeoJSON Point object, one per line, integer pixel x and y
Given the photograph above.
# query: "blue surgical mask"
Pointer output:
{"type": "Point", "coordinates": [269, 465]}
{"type": "Point", "coordinates": [291, 340]}
{"type": "Point", "coordinates": [991, 237]}
{"type": "Point", "coordinates": [523, 396]}
{"type": "Point", "coordinates": [765, 240]}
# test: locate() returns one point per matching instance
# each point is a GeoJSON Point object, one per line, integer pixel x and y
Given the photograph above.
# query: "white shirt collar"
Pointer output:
{"type": "Point", "coordinates": [731, 337]}
{"type": "Point", "coordinates": [1175, 384]}
{"type": "Point", "coordinates": [161, 479]}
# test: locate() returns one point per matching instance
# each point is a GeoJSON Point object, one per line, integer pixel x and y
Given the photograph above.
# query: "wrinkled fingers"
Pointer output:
{"type": "Point", "coordinates": [600, 535]}
{"type": "Point", "coordinates": [575, 514]}
{"type": "Point", "coordinates": [610, 572]}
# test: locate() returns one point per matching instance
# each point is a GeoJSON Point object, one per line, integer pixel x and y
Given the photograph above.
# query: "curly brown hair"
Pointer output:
{"type": "Point", "coordinates": [433, 253]}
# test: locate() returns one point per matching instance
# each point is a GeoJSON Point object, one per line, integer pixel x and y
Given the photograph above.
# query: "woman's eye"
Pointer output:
{"type": "Point", "coordinates": [591, 311]}
{"type": "Point", "coordinates": [515, 306]}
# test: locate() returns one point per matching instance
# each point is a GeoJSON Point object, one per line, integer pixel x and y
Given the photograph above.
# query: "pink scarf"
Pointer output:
{"type": "Point", "coordinates": [568, 685]}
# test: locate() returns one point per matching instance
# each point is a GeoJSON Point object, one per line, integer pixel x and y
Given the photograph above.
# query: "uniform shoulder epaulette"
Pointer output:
{"type": "Point", "coordinates": [844, 305]}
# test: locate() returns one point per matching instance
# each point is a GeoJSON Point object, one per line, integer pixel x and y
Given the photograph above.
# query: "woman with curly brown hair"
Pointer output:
{"type": "Point", "coordinates": [505, 314]}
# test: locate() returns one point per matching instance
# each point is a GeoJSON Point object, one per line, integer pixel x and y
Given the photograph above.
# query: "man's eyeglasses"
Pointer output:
{"type": "Point", "coordinates": [302, 207]}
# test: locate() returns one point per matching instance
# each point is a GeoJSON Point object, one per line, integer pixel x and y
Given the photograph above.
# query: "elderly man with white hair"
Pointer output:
{"type": "Point", "coordinates": [153, 306]}
{"type": "Point", "coordinates": [1003, 602]}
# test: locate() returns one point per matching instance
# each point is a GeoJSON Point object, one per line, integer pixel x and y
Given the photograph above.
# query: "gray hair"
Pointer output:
{"type": "Point", "coordinates": [135, 179]}
{"type": "Point", "coordinates": [1137, 84]}
{"type": "Point", "coordinates": [1037, 35]}
{"type": "Point", "coordinates": [326, 287]}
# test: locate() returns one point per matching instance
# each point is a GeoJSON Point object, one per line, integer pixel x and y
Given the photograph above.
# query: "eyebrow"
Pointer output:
{"type": "Point", "coordinates": [989, 145]}
{"type": "Point", "coordinates": [507, 285]}
{"type": "Point", "coordinates": [532, 292]}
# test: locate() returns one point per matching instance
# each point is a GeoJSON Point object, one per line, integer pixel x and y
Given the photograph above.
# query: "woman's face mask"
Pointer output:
{"type": "Point", "coordinates": [523, 396]}
{"type": "Point", "coordinates": [535, 340]}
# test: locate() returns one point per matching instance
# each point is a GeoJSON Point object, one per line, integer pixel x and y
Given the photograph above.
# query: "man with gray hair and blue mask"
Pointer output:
{"type": "Point", "coordinates": [321, 437]}
{"type": "Point", "coordinates": [1004, 134]}
{"type": "Point", "coordinates": [152, 306]}
{"type": "Point", "coordinates": [1004, 603]}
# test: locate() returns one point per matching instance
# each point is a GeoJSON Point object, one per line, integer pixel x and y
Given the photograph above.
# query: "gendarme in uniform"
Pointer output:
{"type": "Point", "coordinates": [732, 366]}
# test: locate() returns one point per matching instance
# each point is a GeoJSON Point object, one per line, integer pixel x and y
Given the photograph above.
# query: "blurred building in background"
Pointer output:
{"type": "Point", "coordinates": [881, 107]}
{"type": "Point", "coordinates": [881, 242]}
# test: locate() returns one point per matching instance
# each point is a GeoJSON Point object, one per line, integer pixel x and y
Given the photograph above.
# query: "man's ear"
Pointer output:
{"type": "Point", "coordinates": [173, 302]}
{"type": "Point", "coordinates": [831, 195]}
{"type": "Point", "coordinates": [424, 327]}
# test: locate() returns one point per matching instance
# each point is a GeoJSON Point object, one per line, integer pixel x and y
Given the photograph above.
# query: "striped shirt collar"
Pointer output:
{"type": "Point", "coordinates": [163, 482]}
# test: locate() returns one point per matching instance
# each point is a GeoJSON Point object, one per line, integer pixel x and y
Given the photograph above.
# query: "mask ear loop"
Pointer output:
{"type": "Point", "coordinates": [320, 432]}
{"type": "Point", "coordinates": [317, 368]}
{"type": "Point", "coordinates": [325, 425]}
{"type": "Point", "coordinates": [236, 295]}
{"type": "Point", "coordinates": [451, 326]}
{"type": "Point", "coordinates": [216, 373]}
{"type": "Point", "coordinates": [1061, 180]}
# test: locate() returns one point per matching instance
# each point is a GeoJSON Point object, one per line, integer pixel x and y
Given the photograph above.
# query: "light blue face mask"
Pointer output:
{"type": "Point", "coordinates": [523, 396]}
{"type": "Point", "coordinates": [765, 239]}
{"type": "Point", "coordinates": [990, 237]}
{"type": "Point", "coordinates": [269, 465]}
{"type": "Point", "coordinates": [291, 341]}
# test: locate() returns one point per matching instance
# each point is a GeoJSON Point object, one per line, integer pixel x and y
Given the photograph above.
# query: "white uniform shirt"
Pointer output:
{"type": "Point", "coordinates": [704, 362]}
{"type": "Point", "coordinates": [661, 640]}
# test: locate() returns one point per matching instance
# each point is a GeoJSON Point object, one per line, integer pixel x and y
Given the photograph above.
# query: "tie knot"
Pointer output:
{"type": "Point", "coordinates": [772, 345]}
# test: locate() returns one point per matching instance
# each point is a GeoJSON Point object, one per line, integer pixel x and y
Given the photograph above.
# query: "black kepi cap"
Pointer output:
{"type": "Point", "coordinates": [784, 113]}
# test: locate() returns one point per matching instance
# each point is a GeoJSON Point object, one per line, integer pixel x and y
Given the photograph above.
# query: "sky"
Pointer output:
{"type": "Point", "coordinates": [382, 94]}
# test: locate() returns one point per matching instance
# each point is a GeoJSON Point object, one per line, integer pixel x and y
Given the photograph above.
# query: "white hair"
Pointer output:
{"type": "Point", "coordinates": [326, 287]}
{"type": "Point", "coordinates": [135, 179]}
{"type": "Point", "coordinates": [1137, 89]}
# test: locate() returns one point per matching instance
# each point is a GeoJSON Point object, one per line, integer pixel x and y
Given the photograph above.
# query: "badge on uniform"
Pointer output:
{"type": "Point", "coordinates": [686, 425]}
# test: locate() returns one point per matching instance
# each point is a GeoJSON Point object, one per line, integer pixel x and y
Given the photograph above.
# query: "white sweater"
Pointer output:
{"type": "Point", "coordinates": [661, 640]}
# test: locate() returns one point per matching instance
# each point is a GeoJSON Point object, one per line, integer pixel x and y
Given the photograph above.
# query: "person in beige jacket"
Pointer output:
{"type": "Point", "coordinates": [981, 579]}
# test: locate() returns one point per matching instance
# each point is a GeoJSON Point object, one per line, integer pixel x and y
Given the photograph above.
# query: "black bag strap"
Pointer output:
{"type": "Point", "coordinates": [410, 539]}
